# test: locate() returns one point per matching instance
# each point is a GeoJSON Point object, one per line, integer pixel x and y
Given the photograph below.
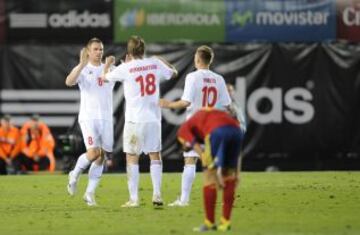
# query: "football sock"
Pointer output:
{"type": "Point", "coordinates": [81, 164]}
{"type": "Point", "coordinates": [133, 181]}
{"type": "Point", "coordinates": [187, 179]}
{"type": "Point", "coordinates": [156, 174]}
{"type": "Point", "coordinates": [209, 194]}
{"type": "Point", "coordinates": [228, 198]}
{"type": "Point", "coordinates": [95, 173]}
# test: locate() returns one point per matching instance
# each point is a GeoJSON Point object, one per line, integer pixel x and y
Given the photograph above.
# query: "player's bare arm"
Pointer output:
{"type": "Point", "coordinates": [175, 72]}
{"type": "Point", "coordinates": [109, 61]}
{"type": "Point", "coordinates": [179, 104]}
{"type": "Point", "coordinates": [71, 79]}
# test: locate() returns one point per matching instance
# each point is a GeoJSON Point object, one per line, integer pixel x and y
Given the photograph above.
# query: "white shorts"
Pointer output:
{"type": "Point", "coordinates": [98, 134]}
{"type": "Point", "coordinates": [142, 137]}
{"type": "Point", "coordinates": [191, 153]}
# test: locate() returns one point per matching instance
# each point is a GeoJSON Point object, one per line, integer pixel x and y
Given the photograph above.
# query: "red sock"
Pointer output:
{"type": "Point", "coordinates": [35, 167]}
{"type": "Point", "coordinates": [228, 198]}
{"type": "Point", "coordinates": [209, 193]}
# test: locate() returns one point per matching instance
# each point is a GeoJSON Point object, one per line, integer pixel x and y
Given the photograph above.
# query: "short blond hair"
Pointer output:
{"type": "Point", "coordinates": [93, 40]}
{"type": "Point", "coordinates": [206, 54]}
{"type": "Point", "coordinates": [136, 46]}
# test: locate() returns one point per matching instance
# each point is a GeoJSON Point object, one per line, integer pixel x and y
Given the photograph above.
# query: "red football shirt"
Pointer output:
{"type": "Point", "coordinates": [203, 123]}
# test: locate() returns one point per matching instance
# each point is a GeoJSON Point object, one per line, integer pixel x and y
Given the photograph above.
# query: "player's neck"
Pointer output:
{"type": "Point", "coordinates": [95, 63]}
{"type": "Point", "coordinates": [136, 57]}
{"type": "Point", "coordinates": [202, 66]}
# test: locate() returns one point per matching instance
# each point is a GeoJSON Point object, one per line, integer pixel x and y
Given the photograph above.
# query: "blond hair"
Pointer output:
{"type": "Point", "coordinates": [206, 54]}
{"type": "Point", "coordinates": [93, 40]}
{"type": "Point", "coordinates": [136, 46]}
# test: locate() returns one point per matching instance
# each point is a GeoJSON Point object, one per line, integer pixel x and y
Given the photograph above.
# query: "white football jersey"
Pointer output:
{"type": "Point", "coordinates": [204, 88]}
{"type": "Point", "coordinates": [141, 79]}
{"type": "Point", "coordinates": [96, 100]}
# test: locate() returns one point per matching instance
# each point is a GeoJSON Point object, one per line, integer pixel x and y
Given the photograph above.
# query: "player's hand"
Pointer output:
{"type": "Point", "coordinates": [8, 161]}
{"type": "Point", "coordinates": [220, 178]}
{"type": "Point", "coordinates": [84, 57]}
{"type": "Point", "coordinates": [164, 103]}
{"type": "Point", "coordinates": [109, 163]}
{"type": "Point", "coordinates": [102, 78]}
{"type": "Point", "coordinates": [36, 158]}
{"type": "Point", "coordinates": [109, 60]}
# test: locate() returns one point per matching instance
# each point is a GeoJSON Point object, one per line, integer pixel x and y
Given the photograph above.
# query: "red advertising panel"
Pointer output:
{"type": "Point", "coordinates": [348, 20]}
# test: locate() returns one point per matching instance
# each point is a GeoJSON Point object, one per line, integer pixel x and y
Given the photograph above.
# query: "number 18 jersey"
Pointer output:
{"type": "Point", "coordinates": [141, 79]}
{"type": "Point", "coordinates": [204, 88]}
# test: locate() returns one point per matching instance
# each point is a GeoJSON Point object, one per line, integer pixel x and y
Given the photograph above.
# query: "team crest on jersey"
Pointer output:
{"type": "Point", "coordinates": [90, 72]}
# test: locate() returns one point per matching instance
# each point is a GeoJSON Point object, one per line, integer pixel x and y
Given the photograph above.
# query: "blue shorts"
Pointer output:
{"type": "Point", "coordinates": [222, 147]}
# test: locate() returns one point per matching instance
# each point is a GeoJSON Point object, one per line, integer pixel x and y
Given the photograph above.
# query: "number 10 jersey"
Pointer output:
{"type": "Point", "coordinates": [204, 88]}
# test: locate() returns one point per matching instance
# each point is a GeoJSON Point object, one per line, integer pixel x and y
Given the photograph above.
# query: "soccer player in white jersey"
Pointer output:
{"type": "Point", "coordinates": [95, 116]}
{"type": "Point", "coordinates": [203, 88]}
{"type": "Point", "coordinates": [142, 131]}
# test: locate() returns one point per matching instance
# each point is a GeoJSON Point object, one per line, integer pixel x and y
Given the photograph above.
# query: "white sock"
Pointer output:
{"type": "Point", "coordinates": [133, 181]}
{"type": "Point", "coordinates": [95, 173]}
{"type": "Point", "coordinates": [187, 179]}
{"type": "Point", "coordinates": [81, 164]}
{"type": "Point", "coordinates": [156, 175]}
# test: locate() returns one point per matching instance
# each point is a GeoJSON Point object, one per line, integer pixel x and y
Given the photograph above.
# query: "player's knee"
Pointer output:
{"type": "Point", "coordinates": [132, 159]}
{"type": "Point", "coordinates": [209, 176]}
{"type": "Point", "coordinates": [93, 154]}
{"type": "Point", "coordinates": [190, 160]}
{"type": "Point", "coordinates": [229, 172]}
{"type": "Point", "coordinates": [155, 156]}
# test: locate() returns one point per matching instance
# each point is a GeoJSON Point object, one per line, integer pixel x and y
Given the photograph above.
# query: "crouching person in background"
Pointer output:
{"type": "Point", "coordinates": [9, 145]}
{"type": "Point", "coordinates": [222, 138]}
{"type": "Point", "coordinates": [37, 145]}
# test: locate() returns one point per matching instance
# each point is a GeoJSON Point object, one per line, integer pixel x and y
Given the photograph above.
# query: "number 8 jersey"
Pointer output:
{"type": "Point", "coordinates": [204, 88]}
{"type": "Point", "coordinates": [96, 96]}
{"type": "Point", "coordinates": [141, 79]}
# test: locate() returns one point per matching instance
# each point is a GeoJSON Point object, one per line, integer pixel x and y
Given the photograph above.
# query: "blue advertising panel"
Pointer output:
{"type": "Point", "coordinates": [280, 20]}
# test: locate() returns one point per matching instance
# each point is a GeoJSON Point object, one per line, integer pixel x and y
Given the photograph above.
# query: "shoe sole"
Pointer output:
{"type": "Point", "coordinates": [178, 205]}
{"type": "Point", "coordinates": [224, 230]}
{"type": "Point", "coordinates": [158, 203]}
{"type": "Point", "coordinates": [71, 193]}
{"type": "Point", "coordinates": [123, 206]}
{"type": "Point", "coordinates": [89, 203]}
{"type": "Point", "coordinates": [69, 190]}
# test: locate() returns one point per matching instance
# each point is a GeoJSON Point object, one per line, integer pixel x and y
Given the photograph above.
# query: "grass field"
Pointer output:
{"type": "Point", "coordinates": [267, 203]}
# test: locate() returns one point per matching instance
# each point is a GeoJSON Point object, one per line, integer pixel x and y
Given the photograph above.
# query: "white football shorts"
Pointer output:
{"type": "Point", "coordinates": [98, 133]}
{"type": "Point", "coordinates": [142, 137]}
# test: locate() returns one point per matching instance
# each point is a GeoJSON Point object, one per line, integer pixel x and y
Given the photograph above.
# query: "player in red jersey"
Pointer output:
{"type": "Point", "coordinates": [222, 137]}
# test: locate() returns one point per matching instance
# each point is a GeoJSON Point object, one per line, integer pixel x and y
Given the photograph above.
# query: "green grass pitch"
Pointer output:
{"type": "Point", "coordinates": [266, 203]}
